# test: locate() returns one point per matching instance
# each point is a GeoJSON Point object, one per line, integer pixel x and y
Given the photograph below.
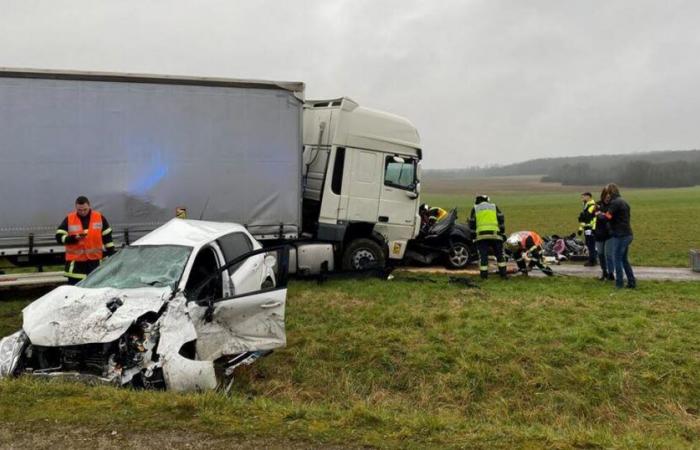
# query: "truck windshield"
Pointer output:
{"type": "Point", "coordinates": [140, 266]}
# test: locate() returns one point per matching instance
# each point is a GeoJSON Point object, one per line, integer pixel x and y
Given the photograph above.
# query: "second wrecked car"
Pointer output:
{"type": "Point", "coordinates": [179, 309]}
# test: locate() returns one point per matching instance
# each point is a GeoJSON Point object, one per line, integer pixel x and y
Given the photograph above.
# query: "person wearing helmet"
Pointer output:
{"type": "Point", "coordinates": [487, 223]}
{"type": "Point", "coordinates": [430, 215]}
{"type": "Point", "coordinates": [527, 244]}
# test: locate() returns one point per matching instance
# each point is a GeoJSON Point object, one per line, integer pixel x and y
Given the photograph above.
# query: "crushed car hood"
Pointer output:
{"type": "Point", "coordinates": [71, 315]}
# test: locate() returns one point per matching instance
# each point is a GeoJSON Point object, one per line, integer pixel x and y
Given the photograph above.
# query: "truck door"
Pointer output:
{"type": "Point", "coordinates": [363, 185]}
{"type": "Point", "coordinates": [399, 196]}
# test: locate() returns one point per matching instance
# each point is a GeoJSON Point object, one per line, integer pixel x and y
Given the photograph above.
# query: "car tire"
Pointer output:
{"type": "Point", "coordinates": [362, 254]}
{"type": "Point", "coordinates": [458, 255]}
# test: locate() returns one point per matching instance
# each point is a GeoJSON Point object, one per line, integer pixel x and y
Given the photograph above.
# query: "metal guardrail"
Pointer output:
{"type": "Point", "coordinates": [31, 280]}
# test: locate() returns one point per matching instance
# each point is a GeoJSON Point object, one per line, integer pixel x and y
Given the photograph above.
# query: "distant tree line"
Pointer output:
{"type": "Point", "coordinates": [671, 168]}
{"type": "Point", "coordinates": [636, 173]}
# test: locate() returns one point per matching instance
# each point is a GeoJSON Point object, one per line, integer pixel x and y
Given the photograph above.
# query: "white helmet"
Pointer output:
{"type": "Point", "coordinates": [513, 242]}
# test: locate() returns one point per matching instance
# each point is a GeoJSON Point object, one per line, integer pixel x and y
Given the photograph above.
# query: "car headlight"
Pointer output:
{"type": "Point", "coordinates": [11, 348]}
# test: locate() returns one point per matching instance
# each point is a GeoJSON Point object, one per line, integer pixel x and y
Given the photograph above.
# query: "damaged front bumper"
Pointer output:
{"type": "Point", "coordinates": [149, 355]}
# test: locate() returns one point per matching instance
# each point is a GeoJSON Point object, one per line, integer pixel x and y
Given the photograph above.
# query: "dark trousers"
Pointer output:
{"type": "Point", "coordinates": [496, 247]}
{"type": "Point", "coordinates": [75, 271]}
{"type": "Point", "coordinates": [537, 259]}
{"type": "Point", "coordinates": [620, 248]}
{"type": "Point", "coordinates": [590, 244]}
{"type": "Point", "coordinates": [603, 248]}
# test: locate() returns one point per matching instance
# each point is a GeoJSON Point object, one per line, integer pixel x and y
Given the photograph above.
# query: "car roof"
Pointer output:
{"type": "Point", "coordinates": [193, 233]}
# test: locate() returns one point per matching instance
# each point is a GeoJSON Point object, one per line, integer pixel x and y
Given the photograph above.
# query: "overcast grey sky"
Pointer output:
{"type": "Point", "coordinates": [485, 81]}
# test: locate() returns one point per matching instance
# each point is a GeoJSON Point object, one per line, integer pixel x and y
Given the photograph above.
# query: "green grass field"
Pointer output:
{"type": "Point", "coordinates": [416, 362]}
{"type": "Point", "coordinates": [666, 222]}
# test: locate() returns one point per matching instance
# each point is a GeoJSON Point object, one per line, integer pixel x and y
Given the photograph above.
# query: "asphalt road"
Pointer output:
{"type": "Point", "coordinates": [578, 270]}
{"type": "Point", "coordinates": [9, 283]}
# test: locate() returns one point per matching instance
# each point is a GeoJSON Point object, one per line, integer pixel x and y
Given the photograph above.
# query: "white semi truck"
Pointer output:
{"type": "Point", "coordinates": [338, 181]}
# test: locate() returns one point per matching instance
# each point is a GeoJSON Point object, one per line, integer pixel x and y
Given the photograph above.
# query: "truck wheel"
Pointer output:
{"type": "Point", "coordinates": [363, 254]}
{"type": "Point", "coordinates": [458, 255]}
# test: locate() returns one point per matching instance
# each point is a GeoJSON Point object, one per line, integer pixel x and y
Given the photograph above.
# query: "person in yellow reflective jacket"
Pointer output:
{"type": "Point", "coordinates": [587, 220]}
{"type": "Point", "coordinates": [429, 216]}
{"type": "Point", "coordinates": [487, 223]}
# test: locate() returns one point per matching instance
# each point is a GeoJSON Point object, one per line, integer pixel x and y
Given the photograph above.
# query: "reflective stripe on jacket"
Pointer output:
{"type": "Point", "coordinates": [88, 248]}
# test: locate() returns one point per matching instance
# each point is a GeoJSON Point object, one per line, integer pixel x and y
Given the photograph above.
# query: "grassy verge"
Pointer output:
{"type": "Point", "coordinates": [664, 221]}
{"type": "Point", "coordinates": [526, 363]}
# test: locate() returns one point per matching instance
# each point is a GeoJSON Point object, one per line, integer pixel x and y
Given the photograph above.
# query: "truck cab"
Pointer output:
{"type": "Point", "coordinates": [361, 181]}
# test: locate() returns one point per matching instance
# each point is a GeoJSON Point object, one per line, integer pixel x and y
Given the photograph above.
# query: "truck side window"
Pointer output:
{"type": "Point", "coordinates": [400, 174]}
{"type": "Point", "coordinates": [234, 245]}
{"type": "Point", "coordinates": [338, 167]}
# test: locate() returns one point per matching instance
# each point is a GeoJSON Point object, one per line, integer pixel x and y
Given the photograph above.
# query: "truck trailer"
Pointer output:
{"type": "Point", "coordinates": [338, 181]}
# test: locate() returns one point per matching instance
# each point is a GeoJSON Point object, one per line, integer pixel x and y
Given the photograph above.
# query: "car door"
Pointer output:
{"type": "Point", "coordinates": [248, 275]}
{"type": "Point", "coordinates": [243, 322]}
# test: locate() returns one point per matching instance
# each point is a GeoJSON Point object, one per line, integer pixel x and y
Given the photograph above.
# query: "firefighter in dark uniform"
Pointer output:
{"type": "Point", "coordinates": [87, 237]}
{"type": "Point", "coordinates": [488, 225]}
{"type": "Point", "coordinates": [527, 244]}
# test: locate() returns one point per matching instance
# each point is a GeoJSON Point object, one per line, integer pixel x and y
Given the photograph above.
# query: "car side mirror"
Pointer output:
{"type": "Point", "coordinates": [270, 261]}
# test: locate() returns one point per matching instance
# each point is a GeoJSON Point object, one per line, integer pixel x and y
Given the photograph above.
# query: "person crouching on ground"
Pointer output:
{"type": "Point", "coordinates": [429, 216]}
{"type": "Point", "coordinates": [619, 215]}
{"type": "Point", "coordinates": [601, 232]}
{"type": "Point", "coordinates": [527, 244]}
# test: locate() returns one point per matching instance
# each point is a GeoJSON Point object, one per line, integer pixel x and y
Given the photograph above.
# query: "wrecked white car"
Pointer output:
{"type": "Point", "coordinates": [179, 309]}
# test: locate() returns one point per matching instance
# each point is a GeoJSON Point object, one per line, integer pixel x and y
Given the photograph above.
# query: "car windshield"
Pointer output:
{"type": "Point", "coordinates": [140, 266]}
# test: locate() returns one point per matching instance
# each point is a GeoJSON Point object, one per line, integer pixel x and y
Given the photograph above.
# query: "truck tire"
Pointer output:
{"type": "Point", "coordinates": [458, 256]}
{"type": "Point", "coordinates": [362, 254]}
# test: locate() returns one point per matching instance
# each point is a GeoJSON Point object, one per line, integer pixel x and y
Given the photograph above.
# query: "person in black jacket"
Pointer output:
{"type": "Point", "coordinates": [601, 232]}
{"type": "Point", "coordinates": [619, 216]}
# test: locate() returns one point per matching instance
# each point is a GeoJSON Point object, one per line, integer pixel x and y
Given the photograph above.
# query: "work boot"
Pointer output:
{"type": "Point", "coordinates": [548, 271]}
{"type": "Point", "coordinates": [484, 274]}
{"type": "Point", "coordinates": [503, 273]}
{"type": "Point", "coordinates": [603, 276]}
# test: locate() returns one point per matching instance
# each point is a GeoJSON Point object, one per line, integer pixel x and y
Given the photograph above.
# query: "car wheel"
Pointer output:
{"type": "Point", "coordinates": [458, 255]}
{"type": "Point", "coordinates": [362, 254]}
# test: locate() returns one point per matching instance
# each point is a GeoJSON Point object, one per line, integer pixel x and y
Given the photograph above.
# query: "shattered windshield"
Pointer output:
{"type": "Point", "coordinates": [140, 266]}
